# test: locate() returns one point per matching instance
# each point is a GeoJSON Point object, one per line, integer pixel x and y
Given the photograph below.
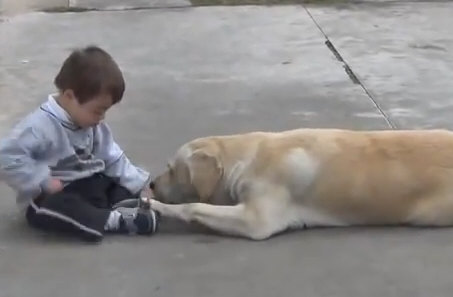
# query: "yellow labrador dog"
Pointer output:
{"type": "Point", "coordinates": [258, 184]}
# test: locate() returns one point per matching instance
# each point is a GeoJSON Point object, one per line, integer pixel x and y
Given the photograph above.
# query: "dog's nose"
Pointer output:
{"type": "Point", "coordinates": [151, 185]}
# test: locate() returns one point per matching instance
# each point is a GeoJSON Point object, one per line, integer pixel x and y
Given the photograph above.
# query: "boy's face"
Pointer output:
{"type": "Point", "coordinates": [89, 113]}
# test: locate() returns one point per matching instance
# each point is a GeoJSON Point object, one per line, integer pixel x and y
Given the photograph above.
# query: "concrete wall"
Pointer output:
{"type": "Point", "coordinates": [19, 6]}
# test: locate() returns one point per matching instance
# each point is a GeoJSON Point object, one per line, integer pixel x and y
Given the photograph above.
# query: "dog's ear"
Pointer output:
{"type": "Point", "coordinates": [205, 172]}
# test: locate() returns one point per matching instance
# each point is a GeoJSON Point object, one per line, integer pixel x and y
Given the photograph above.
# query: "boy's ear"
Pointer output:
{"type": "Point", "coordinates": [68, 94]}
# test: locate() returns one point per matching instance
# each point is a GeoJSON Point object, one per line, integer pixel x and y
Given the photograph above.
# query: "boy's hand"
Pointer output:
{"type": "Point", "coordinates": [54, 185]}
{"type": "Point", "coordinates": [146, 192]}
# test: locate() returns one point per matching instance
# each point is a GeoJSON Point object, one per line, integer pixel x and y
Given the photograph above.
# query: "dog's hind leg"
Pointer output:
{"type": "Point", "coordinates": [434, 211]}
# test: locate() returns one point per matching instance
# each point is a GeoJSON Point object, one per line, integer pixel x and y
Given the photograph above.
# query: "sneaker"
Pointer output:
{"type": "Point", "coordinates": [129, 203]}
{"type": "Point", "coordinates": [138, 220]}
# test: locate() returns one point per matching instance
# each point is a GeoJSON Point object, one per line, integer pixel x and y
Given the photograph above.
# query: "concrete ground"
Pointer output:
{"type": "Point", "coordinates": [200, 71]}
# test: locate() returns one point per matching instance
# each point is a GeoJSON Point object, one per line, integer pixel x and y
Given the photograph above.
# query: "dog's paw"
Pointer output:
{"type": "Point", "coordinates": [154, 204]}
{"type": "Point", "coordinates": [169, 210]}
{"type": "Point", "coordinates": [160, 207]}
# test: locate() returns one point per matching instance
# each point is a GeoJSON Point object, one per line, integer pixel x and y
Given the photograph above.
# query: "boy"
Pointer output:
{"type": "Point", "coordinates": [67, 170]}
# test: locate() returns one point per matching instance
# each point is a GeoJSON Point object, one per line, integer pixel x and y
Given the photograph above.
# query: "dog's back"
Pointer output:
{"type": "Point", "coordinates": [373, 177]}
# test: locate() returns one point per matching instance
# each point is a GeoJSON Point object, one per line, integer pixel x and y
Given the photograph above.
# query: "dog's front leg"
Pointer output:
{"type": "Point", "coordinates": [233, 220]}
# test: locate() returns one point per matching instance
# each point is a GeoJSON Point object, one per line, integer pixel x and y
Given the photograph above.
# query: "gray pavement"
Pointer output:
{"type": "Point", "coordinates": [200, 71]}
{"type": "Point", "coordinates": [402, 53]}
{"type": "Point", "coordinates": [132, 4]}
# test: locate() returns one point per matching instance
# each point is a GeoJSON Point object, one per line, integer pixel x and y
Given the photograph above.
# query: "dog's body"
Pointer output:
{"type": "Point", "coordinates": [259, 184]}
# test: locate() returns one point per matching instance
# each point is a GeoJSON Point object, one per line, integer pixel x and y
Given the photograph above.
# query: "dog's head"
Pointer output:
{"type": "Point", "coordinates": [192, 175]}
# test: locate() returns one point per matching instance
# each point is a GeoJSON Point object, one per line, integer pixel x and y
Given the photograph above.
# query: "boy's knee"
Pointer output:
{"type": "Point", "coordinates": [60, 201]}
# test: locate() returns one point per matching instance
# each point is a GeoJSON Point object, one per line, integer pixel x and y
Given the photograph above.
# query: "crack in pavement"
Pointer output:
{"type": "Point", "coordinates": [351, 73]}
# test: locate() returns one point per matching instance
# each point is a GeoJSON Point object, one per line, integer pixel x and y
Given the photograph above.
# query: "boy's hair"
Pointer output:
{"type": "Point", "coordinates": [90, 72]}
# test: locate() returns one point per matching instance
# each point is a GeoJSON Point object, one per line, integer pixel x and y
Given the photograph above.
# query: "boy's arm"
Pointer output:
{"type": "Point", "coordinates": [117, 164]}
{"type": "Point", "coordinates": [18, 166]}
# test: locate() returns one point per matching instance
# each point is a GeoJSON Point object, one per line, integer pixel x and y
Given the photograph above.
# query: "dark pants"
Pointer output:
{"type": "Point", "coordinates": [81, 209]}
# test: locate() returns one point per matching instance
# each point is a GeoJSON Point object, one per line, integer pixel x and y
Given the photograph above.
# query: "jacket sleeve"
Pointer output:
{"type": "Point", "coordinates": [19, 164]}
{"type": "Point", "coordinates": [117, 164]}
